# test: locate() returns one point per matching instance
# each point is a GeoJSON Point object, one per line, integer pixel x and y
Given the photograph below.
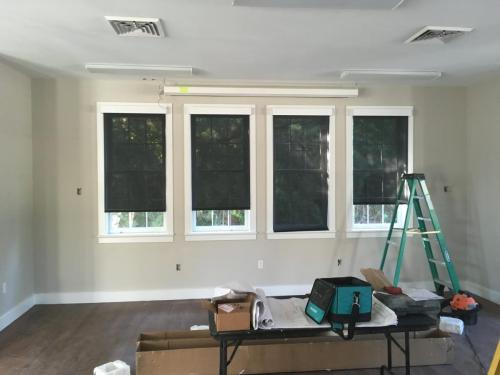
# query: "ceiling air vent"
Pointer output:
{"type": "Point", "coordinates": [442, 34]}
{"type": "Point", "coordinates": [135, 26]}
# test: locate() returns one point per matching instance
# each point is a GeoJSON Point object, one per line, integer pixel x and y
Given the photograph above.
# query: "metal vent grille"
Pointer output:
{"type": "Point", "coordinates": [133, 26]}
{"type": "Point", "coordinates": [439, 33]}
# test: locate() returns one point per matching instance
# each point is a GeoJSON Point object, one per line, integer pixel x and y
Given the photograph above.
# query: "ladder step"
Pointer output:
{"type": "Point", "coordinates": [418, 231]}
{"type": "Point", "coordinates": [424, 218]}
{"type": "Point", "coordinates": [404, 201]}
{"type": "Point", "coordinates": [444, 283]}
{"type": "Point", "coordinates": [438, 262]}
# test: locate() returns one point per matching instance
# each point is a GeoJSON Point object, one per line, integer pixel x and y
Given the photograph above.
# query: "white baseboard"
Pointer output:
{"type": "Point", "coordinates": [122, 296]}
{"type": "Point", "coordinates": [155, 295]}
{"type": "Point", "coordinates": [481, 291]}
{"type": "Point", "coordinates": [174, 294]}
{"type": "Point", "coordinates": [196, 293]}
{"type": "Point", "coordinates": [18, 310]}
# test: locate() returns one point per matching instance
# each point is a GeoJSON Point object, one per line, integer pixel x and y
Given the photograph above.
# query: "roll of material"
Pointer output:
{"type": "Point", "coordinates": [451, 325]}
{"type": "Point", "coordinates": [261, 313]}
{"type": "Point", "coordinates": [261, 316]}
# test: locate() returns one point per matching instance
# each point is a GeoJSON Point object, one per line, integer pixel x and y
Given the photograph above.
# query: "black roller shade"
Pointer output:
{"type": "Point", "coordinates": [220, 162]}
{"type": "Point", "coordinates": [380, 157]}
{"type": "Point", "coordinates": [134, 162]}
{"type": "Point", "coordinates": [300, 173]}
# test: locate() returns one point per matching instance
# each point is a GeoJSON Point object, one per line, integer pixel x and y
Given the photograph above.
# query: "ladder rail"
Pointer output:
{"type": "Point", "coordinates": [393, 221]}
{"type": "Point", "coordinates": [440, 237]}
{"type": "Point", "coordinates": [412, 185]}
{"type": "Point", "coordinates": [427, 245]}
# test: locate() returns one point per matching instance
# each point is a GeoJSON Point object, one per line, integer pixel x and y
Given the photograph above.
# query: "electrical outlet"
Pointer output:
{"type": "Point", "coordinates": [78, 191]}
{"type": "Point", "coordinates": [4, 287]}
{"type": "Point", "coordinates": [339, 262]}
{"type": "Point", "coordinates": [260, 264]}
{"type": "Point", "coordinates": [178, 267]}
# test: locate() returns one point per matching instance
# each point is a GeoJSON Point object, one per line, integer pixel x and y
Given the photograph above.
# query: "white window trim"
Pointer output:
{"type": "Point", "coordinates": [377, 230]}
{"type": "Point", "coordinates": [123, 107]}
{"type": "Point", "coordinates": [218, 109]}
{"type": "Point", "coordinates": [297, 110]}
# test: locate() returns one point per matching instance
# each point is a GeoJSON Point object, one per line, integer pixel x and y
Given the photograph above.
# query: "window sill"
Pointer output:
{"type": "Point", "coordinates": [300, 235]}
{"type": "Point", "coordinates": [135, 238]}
{"type": "Point", "coordinates": [218, 236]}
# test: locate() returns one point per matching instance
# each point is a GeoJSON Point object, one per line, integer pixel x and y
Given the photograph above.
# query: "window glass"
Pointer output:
{"type": "Point", "coordinates": [134, 172]}
{"type": "Point", "coordinates": [380, 157]}
{"type": "Point", "coordinates": [300, 174]}
{"type": "Point", "coordinates": [134, 162]}
{"type": "Point", "coordinates": [220, 170]}
{"type": "Point", "coordinates": [220, 162]}
{"type": "Point", "coordinates": [133, 222]}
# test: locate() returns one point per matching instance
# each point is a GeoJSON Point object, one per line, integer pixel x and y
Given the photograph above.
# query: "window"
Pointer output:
{"type": "Point", "coordinates": [134, 172]}
{"type": "Point", "coordinates": [219, 172]}
{"type": "Point", "coordinates": [379, 151]}
{"type": "Point", "coordinates": [300, 179]}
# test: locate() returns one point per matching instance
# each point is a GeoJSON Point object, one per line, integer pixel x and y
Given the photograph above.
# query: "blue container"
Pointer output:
{"type": "Point", "coordinates": [341, 300]}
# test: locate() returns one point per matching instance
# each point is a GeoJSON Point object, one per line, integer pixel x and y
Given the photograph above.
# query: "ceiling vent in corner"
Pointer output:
{"type": "Point", "coordinates": [136, 26]}
{"type": "Point", "coordinates": [438, 33]}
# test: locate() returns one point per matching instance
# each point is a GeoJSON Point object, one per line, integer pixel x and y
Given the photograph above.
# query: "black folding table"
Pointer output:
{"type": "Point", "coordinates": [406, 324]}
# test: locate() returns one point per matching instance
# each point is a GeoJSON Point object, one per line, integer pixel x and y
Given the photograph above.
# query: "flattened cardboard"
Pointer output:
{"type": "Point", "coordinates": [376, 278]}
{"type": "Point", "coordinates": [197, 353]}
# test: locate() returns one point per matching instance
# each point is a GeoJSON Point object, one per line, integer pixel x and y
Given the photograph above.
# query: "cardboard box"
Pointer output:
{"type": "Point", "coordinates": [232, 314]}
{"type": "Point", "coordinates": [197, 353]}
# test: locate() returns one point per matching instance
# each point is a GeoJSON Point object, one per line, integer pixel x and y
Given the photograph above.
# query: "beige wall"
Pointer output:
{"type": "Point", "coordinates": [68, 258]}
{"type": "Point", "coordinates": [483, 182]}
{"type": "Point", "coordinates": [16, 188]}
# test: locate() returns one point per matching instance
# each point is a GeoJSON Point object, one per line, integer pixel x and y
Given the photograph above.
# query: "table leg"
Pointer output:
{"type": "Point", "coordinates": [389, 351]}
{"type": "Point", "coordinates": [407, 352]}
{"type": "Point", "coordinates": [387, 368]}
{"type": "Point", "coordinates": [223, 357]}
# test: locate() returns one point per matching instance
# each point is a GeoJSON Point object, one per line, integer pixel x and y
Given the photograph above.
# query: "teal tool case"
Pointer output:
{"type": "Point", "coordinates": [341, 300]}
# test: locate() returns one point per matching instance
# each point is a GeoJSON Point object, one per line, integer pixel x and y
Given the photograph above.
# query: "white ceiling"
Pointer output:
{"type": "Point", "coordinates": [250, 44]}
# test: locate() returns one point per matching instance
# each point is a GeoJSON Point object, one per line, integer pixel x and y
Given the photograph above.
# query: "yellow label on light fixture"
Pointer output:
{"type": "Point", "coordinates": [184, 90]}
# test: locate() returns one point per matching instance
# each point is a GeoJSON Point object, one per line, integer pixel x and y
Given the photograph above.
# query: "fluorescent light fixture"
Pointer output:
{"type": "Point", "coordinates": [140, 70]}
{"type": "Point", "coordinates": [374, 74]}
{"type": "Point", "coordinates": [339, 4]}
{"type": "Point", "coordinates": [442, 34]}
{"type": "Point", "coordinates": [260, 91]}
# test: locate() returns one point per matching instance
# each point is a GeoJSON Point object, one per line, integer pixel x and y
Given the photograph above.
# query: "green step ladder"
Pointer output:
{"type": "Point", "coordinates": [417, 191]}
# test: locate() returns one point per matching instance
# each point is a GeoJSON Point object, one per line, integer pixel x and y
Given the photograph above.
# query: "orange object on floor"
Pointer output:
{"type": "Point", "coordinates": [463, 301]}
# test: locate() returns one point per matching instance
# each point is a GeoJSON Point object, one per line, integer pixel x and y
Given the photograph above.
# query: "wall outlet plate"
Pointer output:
{"type": "Point", "coordinates": [4, 287]}
{"type": "Point", "coordinates": [260, 264]}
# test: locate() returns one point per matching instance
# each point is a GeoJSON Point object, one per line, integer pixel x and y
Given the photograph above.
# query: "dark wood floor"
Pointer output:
{"type": "Point", "coordinates": [73, 339]}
